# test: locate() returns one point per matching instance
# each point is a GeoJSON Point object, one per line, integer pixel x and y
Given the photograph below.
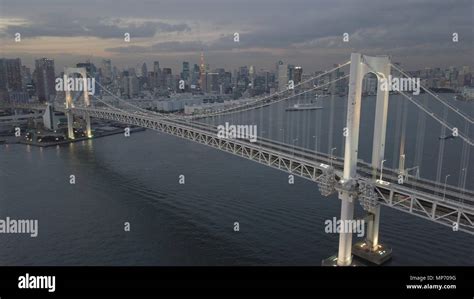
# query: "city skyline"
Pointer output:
{"type": "Point", "coordinates": [170, 32]}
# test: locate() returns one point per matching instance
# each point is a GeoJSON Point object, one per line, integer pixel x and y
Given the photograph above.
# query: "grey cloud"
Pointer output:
{"type": "Point", "coordinates": [164, 46]}
{"type": "Point", "coordinates": [402, 26]}
{"type": "Point", "coordinates": [320, 24]}
{"type": "Point", "coordinates": [63, 26]}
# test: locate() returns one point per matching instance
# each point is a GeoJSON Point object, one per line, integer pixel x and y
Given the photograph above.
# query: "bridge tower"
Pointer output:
{"type": "Point", "coordinates": [348, 188]}
{"type": "Point", "coordinates": [69, 103]}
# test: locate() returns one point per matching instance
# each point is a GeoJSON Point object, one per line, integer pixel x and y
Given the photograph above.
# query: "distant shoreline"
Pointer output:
{"type": "Point", "coordinates": [14, 140]}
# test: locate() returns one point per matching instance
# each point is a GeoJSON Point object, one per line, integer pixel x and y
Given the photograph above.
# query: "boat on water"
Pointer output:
{"type": "Point", "coordinates": [300, 107]}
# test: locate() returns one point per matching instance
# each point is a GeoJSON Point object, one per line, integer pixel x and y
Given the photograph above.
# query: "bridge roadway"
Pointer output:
{"type": "Point", "coordinates": [416, 196]}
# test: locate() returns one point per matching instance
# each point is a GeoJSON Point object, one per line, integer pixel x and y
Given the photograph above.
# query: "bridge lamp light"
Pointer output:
{"type": "Point", "coordinates": [296, 139]}
{"type": "Point", "coordinates": [381, 169]}
{"type": "Point", "coordinates": [445, 181]}
{"type": "Point", "coordinates": [331, 157]}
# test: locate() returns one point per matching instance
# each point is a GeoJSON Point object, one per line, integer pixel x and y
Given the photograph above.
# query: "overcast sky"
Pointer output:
{"type": "Point", "coordinates": [301, 32]}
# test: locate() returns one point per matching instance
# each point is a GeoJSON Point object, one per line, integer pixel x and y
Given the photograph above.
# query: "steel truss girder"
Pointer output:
{"type": "Point", "coordinates": [446, 212]}
{"type": "Point", "coordinates": [293, 165]}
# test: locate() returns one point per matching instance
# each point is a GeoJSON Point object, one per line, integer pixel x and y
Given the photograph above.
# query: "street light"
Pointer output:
{"type": "Point", "coordinates": [401, 164]}
{"type": "Point", "coordinates": [381, 168]}
{"type": "Point", "coordinates": [463, 179]}
{"type": "Point", "coordinates": [332, 150]}
{"type": "Point", "coordinates": [445, 180]}
{"type": "Point", "coordinates": [294, 145]}
{"type": "Point", "coordinates": [315, 140]}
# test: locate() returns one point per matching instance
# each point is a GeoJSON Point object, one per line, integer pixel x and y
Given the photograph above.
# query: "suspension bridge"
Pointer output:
{"type": "Point", "coordinates": [350, 178]}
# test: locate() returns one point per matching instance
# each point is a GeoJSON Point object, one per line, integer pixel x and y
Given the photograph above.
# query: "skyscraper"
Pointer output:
{"type": "Point", "coordinates": [185, 72]}
{"type": "Point", "coordinates": [144, 70]}
{"type": "Point", "coordinates": [45, 85]}
{"type": "Point", "coordinates": [212, 83]}
{"type": "Point", "coordinates": [157, 78]}
{"type": "Point", "coordinates": [143, 80]}
{"type": "Point", "coordinates": [130, 86]}
{"type": "Point", "coordinates": [167, 79]}
{"type": "Point", "coordinates": [195, 75]}
{"type": "Point", "coordinates": [202, 72]}
{"type": "Point", "coordinates": [282, 75]}
{"type": "Point", "coordinates": [297, 74]}
{"type": "Point", "coordinates": [107, 71]}
{"type": "Point", "coordinates": [10, 75]}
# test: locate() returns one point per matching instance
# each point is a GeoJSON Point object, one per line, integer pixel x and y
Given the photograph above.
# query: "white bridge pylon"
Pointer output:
{"type": "Point", "coordinates": [360, 66]}
{"type": "Point", "coordinates": [69, 103]}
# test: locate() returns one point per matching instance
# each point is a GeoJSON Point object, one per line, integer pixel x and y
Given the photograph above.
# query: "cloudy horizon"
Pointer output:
{"type": "Point", "coordinates": [306, 33]}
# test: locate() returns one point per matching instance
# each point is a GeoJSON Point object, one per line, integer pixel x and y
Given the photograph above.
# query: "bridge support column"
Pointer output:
{"type": "Point", "coordinates": [70, 127]}
{"type": "Point", "coordinates": [371, 250]}
{"type": "Point", "coordinates": [69, 103]}
{"type": "Point", "coordinates": [88, 126]}
{"type": "Point", "coordinates": [373, 228]}
{"type": "Point", "coordinates": [348, 185]}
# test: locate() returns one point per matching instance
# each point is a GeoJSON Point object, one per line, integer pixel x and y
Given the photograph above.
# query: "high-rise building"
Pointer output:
{"type": "Point", "coordinates": [25, 76]}
{"type": "Point", "coordinates": [212, 83]}
{"type": "Point", "coordinates": [144, 70]}
{"type": "Point", "coordinates": [185, 72]}
{"type": "Point", "coordinates": [10, 75]}
{"type": "Point", "coordinates": [195, 75]}
{"type": "Point", "coordinates": [291, 72]}
{"type": "Point", "coordinates": [143, 80]}
{"type": "Point", "coordinates": [156, 66]}
{"type": "Point", "coordinates": [297, 74]}
{"type": "Point", "coordinates": [227, 82]}
{"type": "Point", "coordinates": [282, 76]}
{"type": "Point", "coordinates": [130, 86]}
{"type": "Point", "coordinates": [3, 76]}
{"type": "Point", "coordinates": [107, 71]}
{"type": "Point", "coordinates": [243, 79]}
{"type": "Point", "coordinates": [44, 81]}
{"type": "Point", "coordinates": [202, 72]}
{"type": "Point", "coordinates": [158, 80]}
{"type": "Point", "coordinates": [167, 79]}
{"type": "Point", "coordinates": [252, 76]}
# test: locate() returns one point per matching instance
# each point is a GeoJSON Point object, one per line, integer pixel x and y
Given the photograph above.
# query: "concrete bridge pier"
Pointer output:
{"type": "Point", "coordinates": [88, 126]}
{"type": "Point", "coordinates": [347, 186]}
{"type": "Point", "coordinates": [69, 103]}
{"type": "Point", "coordinates": [70, 122]}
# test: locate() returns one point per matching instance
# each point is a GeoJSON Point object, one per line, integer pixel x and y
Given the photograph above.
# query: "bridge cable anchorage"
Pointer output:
{"type": "Point", "coordinates": [444, 102]}
{"type": "Point", "coordinates": [248, 107]}
{"type": "Point", "coordinates": [235, 109]}
{"type": "Point", "coordinates": [431, 113]}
